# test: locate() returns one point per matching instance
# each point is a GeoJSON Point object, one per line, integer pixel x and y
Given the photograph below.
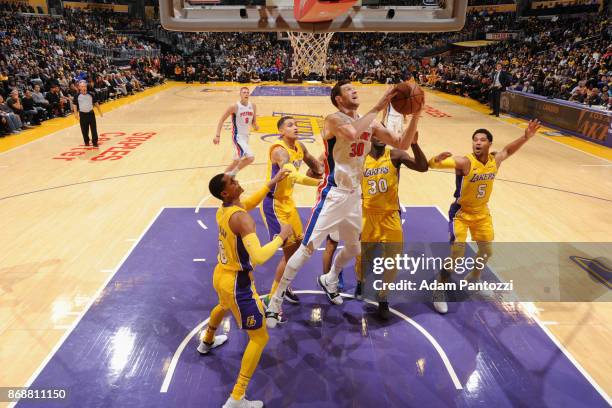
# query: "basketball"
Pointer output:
{"type": "Point", "coordinates": [409, 98]}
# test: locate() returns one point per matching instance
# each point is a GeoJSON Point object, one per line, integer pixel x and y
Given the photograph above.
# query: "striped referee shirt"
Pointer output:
{"type": "Point", "coordinates": [85, 102]}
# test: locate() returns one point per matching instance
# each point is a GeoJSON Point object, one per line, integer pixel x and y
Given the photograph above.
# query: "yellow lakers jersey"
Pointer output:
{"type": "Point", "coordinates": [380, 183]}
{"type": "Point", "coordinates": [474, 189]}
{"type": "Point", "coordinates": [283, 190]}
{"type": "Point", "coordinates": [232, 252]}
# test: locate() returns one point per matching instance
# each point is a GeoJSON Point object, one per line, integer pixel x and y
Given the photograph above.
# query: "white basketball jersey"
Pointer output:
{"type": "Point", "coordinates": [394, 120]}
{"type": "Point", "coordinates": [392, 112]}
{"type": "Point", "coordinates": [345, 158]}
{"type": "Point", "coordinates": [242, 119]}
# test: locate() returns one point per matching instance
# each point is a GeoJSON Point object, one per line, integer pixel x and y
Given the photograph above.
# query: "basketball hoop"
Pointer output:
{"type": "Point", "coordinates": [309, 52]}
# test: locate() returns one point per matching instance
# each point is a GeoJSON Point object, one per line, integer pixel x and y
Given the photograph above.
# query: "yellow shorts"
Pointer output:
{"type": "Point", "coordinates": [478, 222]}
{"type": "Point", "coordinates": [381, 226]}
{"type": "Point", "coordinates": [236, 292]}
{"type": "Point", "coordinates": [275, 213]}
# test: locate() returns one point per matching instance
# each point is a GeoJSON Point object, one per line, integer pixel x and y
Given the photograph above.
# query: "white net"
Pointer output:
{"type": "Point", "coordinates": [309, 52]}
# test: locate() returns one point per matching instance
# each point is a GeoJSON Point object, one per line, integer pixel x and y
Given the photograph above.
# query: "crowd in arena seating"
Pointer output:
{"type": "Point", "coordinates": [42, 58]}
{"type": "Point", "coordinates": [253, 57]}
{"type": "Point", "coordinates": [567, 59]}
{"type": "Point", "coordinates": [40, 64]}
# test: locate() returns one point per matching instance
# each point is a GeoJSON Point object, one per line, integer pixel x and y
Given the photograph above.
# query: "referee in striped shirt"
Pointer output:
{"type": "Point", "coordinates": [83, 108]}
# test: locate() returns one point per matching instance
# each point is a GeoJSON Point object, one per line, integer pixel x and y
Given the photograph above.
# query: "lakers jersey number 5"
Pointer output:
{"type": "Point", "coordinates": [474, 189]}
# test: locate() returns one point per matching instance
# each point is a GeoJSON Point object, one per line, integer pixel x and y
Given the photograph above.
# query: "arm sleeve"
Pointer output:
{"type": "Point", "coordinates": [260, 254]}
{"type": "Point", "coordinates": [448, 163]}
{"type": "Point", "coordinates": [300, 178]}
{"type": "Point", "coordinates": [254, 200]}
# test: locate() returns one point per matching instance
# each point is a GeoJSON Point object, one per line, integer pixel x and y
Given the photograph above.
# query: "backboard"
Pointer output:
{"type": "Point", "coordinates": [281, 15]}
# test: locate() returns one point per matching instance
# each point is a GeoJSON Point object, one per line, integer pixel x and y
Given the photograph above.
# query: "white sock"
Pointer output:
{"type": "Point", "coordinates": [295, 263]}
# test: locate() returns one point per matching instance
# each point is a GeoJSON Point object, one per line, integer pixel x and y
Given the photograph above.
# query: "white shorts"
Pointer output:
{"type": "Point", "coordinates": [395, 124]}
{"type": "Point", "coordinates": [337, 213]}
{"type": "Point", "coordinates": [241, 147]}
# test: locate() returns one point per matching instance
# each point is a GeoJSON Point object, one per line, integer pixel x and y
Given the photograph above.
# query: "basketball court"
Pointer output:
{"type": "Point", "coordinates": [108, 254]}
{"type": "Point", "coordinates": [107, 269]}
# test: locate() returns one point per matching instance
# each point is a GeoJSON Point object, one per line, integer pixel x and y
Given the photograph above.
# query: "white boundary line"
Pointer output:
{"type": "Point", "coordinates": [91, 302]}
{"type": "Point", "coordinates": [553, 338]}
{"type": "Point", "coordinates": [206, 197]}
{"type": "Point", "coordinates": [426, 334]}
{"type": "Point", "coordinates": [202, 224]}
{"type": "Point", "coordinates": [570, 357]}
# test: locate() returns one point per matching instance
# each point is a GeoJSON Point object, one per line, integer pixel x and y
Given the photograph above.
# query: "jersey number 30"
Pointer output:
{"type": "Point", "coordinates": [381, 186]}
{"type": "Point", "coordinates": [357, 149]}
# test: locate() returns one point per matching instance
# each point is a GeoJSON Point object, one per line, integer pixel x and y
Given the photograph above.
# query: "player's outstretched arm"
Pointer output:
{"type": "Point", "coordinates": [253, 201]}
{"type": "Point", "coordinates": [281, 158]}
{"type": "Point", "coordinates": [418, 163]}
{"type": "Point", "coordinates": [226, 114]}
{"type": "Point", "coordinates": [446, 160]}
{"type": "Point", "coordinates": [511, 148]}
{"type": "Point", "coordinates": [243, 225]}
{"type": "Point", "coordinates": [342, 126]}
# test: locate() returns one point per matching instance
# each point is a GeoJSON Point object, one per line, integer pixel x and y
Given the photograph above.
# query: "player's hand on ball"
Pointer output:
{"type": "Point", "coordinates": [216, 139]}
{"type": "Point", "coordinates": [443, 156]}
{"type": "Point", "coordinates": [285, 231]}
{"type": "Point", "coordinates": [385, 99]}
{"type": "Point", "coordinates": [532, 128]}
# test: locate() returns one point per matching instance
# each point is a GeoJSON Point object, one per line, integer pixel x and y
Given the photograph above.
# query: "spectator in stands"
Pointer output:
{"type": "Point", "coordinates": [594, 98]}
{"type": "Point", "coordinates": [26, 116]}
{"type": "Point", "coordinates": [190, 74]}
{"type": "Point", "coordinates": [178, 72]}
{"type": "Point", "coordinates": [59, 104]}
{"type": "Point", "coordinates": [579, 93]}
{"type": "Point", "coordinates": [10, 118]}
{"type": "Point", "coordinates": [39, 98]}
{"type": "Point", "coordinates": [38, 113]}
{"type": "Point", "coordinates": [117, 85]}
